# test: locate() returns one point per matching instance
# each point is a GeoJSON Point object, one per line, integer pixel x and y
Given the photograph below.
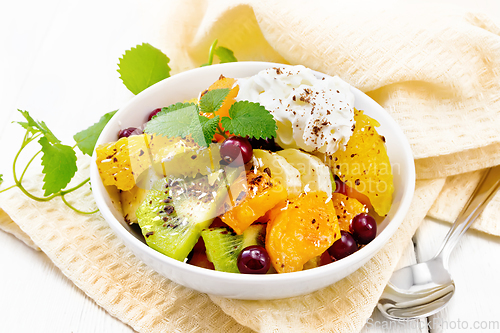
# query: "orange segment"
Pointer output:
{"type": "Point", "coordinates": [364, 164]}
{"type": "Point", "coordinates": [346, 209]}
{"type": "Point", "coordinates": [304, 229]}
{"type": "Point", "coordinates": [221, 83]}
{"type": "Point", "coordinates": [261, 195]}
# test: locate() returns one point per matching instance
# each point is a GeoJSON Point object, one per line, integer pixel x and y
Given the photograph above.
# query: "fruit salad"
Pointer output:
{"type": "Point", "coordinates": [274, 173]}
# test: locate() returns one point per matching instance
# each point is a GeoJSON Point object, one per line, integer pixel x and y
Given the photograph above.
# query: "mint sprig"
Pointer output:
{"type": "Point", "coordinates": [250, 119]}
{"type": "Point", "coordinates": [58, 160]}
{"type": "Point", "coordinates": [142, 66]}
{"type": "Point", "coordinates": [245, 119]}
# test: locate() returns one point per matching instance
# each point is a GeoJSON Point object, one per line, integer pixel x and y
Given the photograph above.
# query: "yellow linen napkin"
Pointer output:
{"type": "Point", "coordinates": [90, 255]}
{"type": "Point", "coordinates": [435, 73]}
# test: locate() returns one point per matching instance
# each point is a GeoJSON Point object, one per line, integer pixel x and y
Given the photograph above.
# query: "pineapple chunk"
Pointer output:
{"type": "Point", "coordinates": [120, 163]}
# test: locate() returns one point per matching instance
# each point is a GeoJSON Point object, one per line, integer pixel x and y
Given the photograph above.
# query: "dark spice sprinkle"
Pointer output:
{"type": "Point", "coordinates": [169, 209]}
{"type": "Point", "coordinates": [115, 159]}
{"type": "Point", "coordinates": [151, 233]}
{"type": "Point", "coordinates": [165, 219]}
{"type": "Point", "coordinates": [268, 171]}
{"type": "Point", "coordinates": [313, 221]}
{"type": "Point", "coordinates": [141, 152]}
{"type": "Point", "coordinates": [383, 138]}
{"type": "Point", "coordinates": [168, 200]}
{"type": "Point", "coordinates": [193, 157]}
{"type": "Point", "coordinates": [357, 182]}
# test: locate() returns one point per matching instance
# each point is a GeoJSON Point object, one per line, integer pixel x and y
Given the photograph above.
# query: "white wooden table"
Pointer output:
{"type": "Point", "coordinates": [58, 60]}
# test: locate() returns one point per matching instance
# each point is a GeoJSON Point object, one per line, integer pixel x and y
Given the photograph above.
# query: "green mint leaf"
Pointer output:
{"type": "Point", "coordinates": [34, 127]}
{"type": "Point", "coordinates": [208, 127]}
{"type": "Point", "coordinates": [213, 99]}
{"type": "Point", "coordinates": [174, 123]}
{"type": "Point", "coordinates": [59, 165]}
{"type": "Point", "coordinates": [87, 138]}
{"type": "Point", "coordinates": [142, 66]}
{"type": "Point", "coordinates": [173, 107]}
{"type": "Point", "coordinates": [250, 119]}
{"type": "Point", "coordinates": [225, 55]}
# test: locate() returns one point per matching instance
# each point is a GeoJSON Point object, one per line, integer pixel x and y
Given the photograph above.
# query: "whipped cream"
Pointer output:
{"type": "Point", "coordinates": [316, 115]}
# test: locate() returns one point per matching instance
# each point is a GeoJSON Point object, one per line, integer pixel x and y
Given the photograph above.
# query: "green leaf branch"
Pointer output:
{"type": "Point", "coordinates": [58, 160]}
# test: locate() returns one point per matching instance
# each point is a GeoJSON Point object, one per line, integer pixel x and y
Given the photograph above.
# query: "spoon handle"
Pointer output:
{"type": "Point", "coordinates": [484, 192]}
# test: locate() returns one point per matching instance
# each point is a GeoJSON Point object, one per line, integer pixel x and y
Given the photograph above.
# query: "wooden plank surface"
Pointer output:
{"type": "Point", "coordinates": [58, 61]}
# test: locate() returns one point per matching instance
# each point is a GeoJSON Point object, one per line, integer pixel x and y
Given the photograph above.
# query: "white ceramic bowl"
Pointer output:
{"type": "Point", "coordinates": [187, 85]}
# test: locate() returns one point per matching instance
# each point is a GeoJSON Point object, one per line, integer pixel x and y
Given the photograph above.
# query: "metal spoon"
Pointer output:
{"type": "Point", "coordinates": [423, 289]}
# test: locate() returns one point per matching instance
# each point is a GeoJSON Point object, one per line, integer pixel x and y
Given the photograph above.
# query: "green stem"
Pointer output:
{"type": "Point", "coordinates": [28, 194]}
{"type": "Point", "coordinates": [8, 188]}
{"type": "Point", "coordinates": [212, 51]}
{"type": "Point", "coordinates": [75, 209]}
{"type": "Point", "coordinates": [221, 132]}
{"type": "Point", "coordinates": [26, 141]}
{"type": "Point", "coordinates": [27, 165]}
{"type": "Point", "coordinates": [76, 187]}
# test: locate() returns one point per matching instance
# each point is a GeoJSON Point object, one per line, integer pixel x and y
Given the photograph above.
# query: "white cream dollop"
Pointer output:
{"type": "Point", "coordinates": [313, 114]}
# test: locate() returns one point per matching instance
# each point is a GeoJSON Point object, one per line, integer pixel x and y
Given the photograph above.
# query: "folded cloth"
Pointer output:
{"type": "Point", "coordinates": [435, 73]}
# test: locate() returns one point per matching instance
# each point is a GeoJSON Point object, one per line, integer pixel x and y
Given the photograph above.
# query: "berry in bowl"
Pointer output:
{"type": "Point", "coordinates": [253, 180]}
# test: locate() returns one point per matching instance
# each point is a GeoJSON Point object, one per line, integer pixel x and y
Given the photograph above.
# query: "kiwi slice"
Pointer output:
{"type": "Point", "coordinates": [223, 245]}
{"type": "Point", "coordinates": [176, 210]}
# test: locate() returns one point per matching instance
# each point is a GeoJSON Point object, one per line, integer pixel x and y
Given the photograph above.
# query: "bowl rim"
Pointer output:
{"type": "Point", "coordinates": [373, 247]}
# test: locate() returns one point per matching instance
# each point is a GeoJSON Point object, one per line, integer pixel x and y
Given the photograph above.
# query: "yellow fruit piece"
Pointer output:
{"type": "Point", "coordinates": [122, 162]}
{"type": "Point", "coordinates": [261, 195]}
{"type": "Point", "coordinates": [364, 164]}
{"type": "Point", "coordinates": [182, 157]}
{"type": "Point", "coordinates": [305, 228]}
{"type": "Point", "coordinates": [346, 209]}
{"type": "Point", "coordinates": [131, 200]}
